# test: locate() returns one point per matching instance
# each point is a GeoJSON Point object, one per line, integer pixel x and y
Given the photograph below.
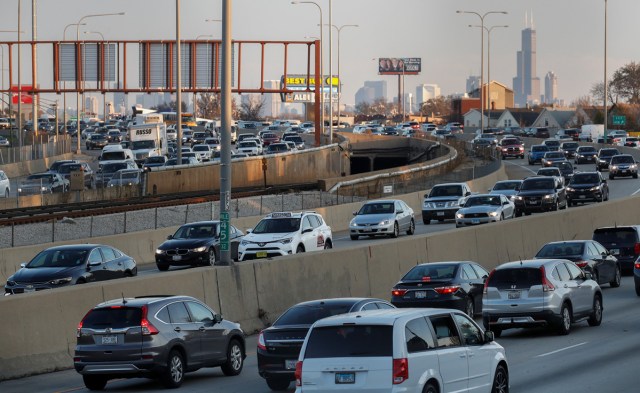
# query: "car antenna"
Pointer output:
{"type": "Point", "coordinates": [520, 261]}
{"type": "Point", "coordinates": [124, 301]}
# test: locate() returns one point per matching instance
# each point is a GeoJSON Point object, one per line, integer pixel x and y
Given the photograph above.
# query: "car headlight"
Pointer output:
{"type": "Point", "coordinates": [634, 166]}
{"type": "Point", "coordinates": [199, 249]}
{"type": "Point", "coordinates": [352, 223]}
{"type": "Point", "coordinates": [19, 189]}
{"type": "Point", "coordinates": [580, 155]}
{"type": "Point", "coordinates": [454, 203]}
{"type": "Point", "coordinates": [549, 196]}
{"type": "Point", "coordinates": [594, 189]}
{"type": "Point", "coordinates": [60, 281]}
{"type": "Point", "coordinates": [10, 283]}
{"type": "Point", "coordinates": [286, 240]}
{"type": "Point", "coordinates": [159, 251]}
{"type": "Point", "coordinates": [384, 222]}
{"type": "Point", "coordinates": [429, 205]}
{"type": "Point", "coordinates": [517, 197]}
{"type": "Point", "coordinates": [570, 189]}
{"type": "Point", "coordinates": [459, 215]}
{"type": "Point", "coordinates": [614, 167]}
{"type": "Point", "coordinates": [43, 188]}
{"type": "Point", "coordinates": [244, 243]}
{"type": "Point", "coordinates": [493, 214]}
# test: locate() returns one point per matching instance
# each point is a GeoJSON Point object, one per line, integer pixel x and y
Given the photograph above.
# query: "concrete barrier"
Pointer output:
{"type": "Point", "coordinates": [28, 167]}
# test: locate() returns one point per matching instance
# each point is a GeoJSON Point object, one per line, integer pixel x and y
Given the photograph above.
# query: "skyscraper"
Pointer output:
{"type": "Point", "coordinates": [424, 93]}
{"type": "Point", "coordinates": [550, 88]}
{"type": "Point", "coordinates": [526, 85]}
{"type": "Point", "coordinates": [473, 83]}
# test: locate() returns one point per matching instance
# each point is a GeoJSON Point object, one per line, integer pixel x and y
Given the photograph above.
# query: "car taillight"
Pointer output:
{"type": "Point", "coordinates": [398, 292]}
{"type": "Point", "coordinates": [637, 265]}
{"type": "Point", "coordinates": [298, 374]}
{"type": "Point", "coordinates": [80, 324]}
{"type": "Point", "coordinates": [636, 248]}
{"type": "Point", "coordinates": [400, 370]}
{"type": "Point", "coordinates": [447, 290]}
{"type": "Point", "coordinates": [547, 286]}
{"type": "Point", "coordinates": [147, 328]}
{"type": "Point", "coordinates": [261, 344]}
{"type": "Point", "coordinates": [581, 264]}
{"type": "Point", "coordinates": [486, 282]}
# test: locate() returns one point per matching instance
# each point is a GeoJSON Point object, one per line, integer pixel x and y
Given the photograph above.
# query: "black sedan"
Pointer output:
{"type": "Point", "coordinates": [587, 187]}
{"type": "Point", "coordinates": [196, 244]}
{"type": "Point", "coordinates": [589, 255]}
{"type": "Point", "coordinates": [279, 345]}
{"type": "Point", "coordinates": [71, 264]}
{"type": "Point", "coordinates": [96, 141]}
{"type": "Point", "coordinates": [456, 285]}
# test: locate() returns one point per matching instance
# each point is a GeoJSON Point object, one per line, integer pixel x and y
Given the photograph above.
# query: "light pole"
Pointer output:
{"type": "Point", "coordinates": [81, 74]}
{"type": "Point", "coordinates": [34, 68]}
{"type": "Point", "coordinates": [481, 16]}
{"type": "Point", "coordinates": [225, 131]}
{"type": "Point", "coordinates": [64, 95]}
{"type": "Point", "coordinates": [339, 29]}
{"type": "Point", "coordinates": [104, 95]}
{"type": "Point", "coordinates": [606, 85]}
{"type": "Point", "coordinates": [488, 30]}
{"type": "Point", "coordinates": [321, 62]}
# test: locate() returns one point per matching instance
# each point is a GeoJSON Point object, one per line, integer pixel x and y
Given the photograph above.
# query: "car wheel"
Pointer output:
{"type": "Point", "coordinates": [497, 332]}
{"type": "Point", "coordinates": [502, 216]}
{"type": "Point", "coordinates": [611, 177]}
{"type": "Point", "coordinates": [6, 193]}
{"type": "Point", "coordinates": [354, 237]}
{"type": "Point", "coordinates": [635, 175]}
{"type": "Point", "coordinates": [555, 206]}
{"type": "Point", "coordinates": [429, 388]}
{"type": "Point", "coordinates": [396, 230]}
{"type": "Point", "coordinates": [278, 384]}
{"type": "Point", "coordinates": [564, 325]}
{"type": "Point", "coordinates": [174, 373]}
{"type": "Point", "coordinates": [235, 359]}
{"type": "Point", "coordinates": [595, 319]}
{"type": "Point", "coordinates": [211, 257]}
{"type": "Point", "coordinates": [328, 245]}
{"type": "Point", "coordinates": [616, 280]}
{"type": "Point", "coordinates": [638, 290]}
{"type": "Point", "coordinates": [607, 198]}
{"type": "Point", "coordinates": [163, 267]}
{"type": "Point", "coordinates": [412, 228]}
{"type": "Point", "coordinates": [94, 382]}
{"type": "Point", "coordinates": [300, 249]}
{"type": "Point", "coordinates": [469, 308]}
{"type": "Point", "coordinates": [500, 380]}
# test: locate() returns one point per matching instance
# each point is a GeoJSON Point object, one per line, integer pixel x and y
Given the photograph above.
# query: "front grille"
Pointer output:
{"type": "Point", "coordinates": [476, 215]}
{"type": "Point", "coordinates": [180, 251]}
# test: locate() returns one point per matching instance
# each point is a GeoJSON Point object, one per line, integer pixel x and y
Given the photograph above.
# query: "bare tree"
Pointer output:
{"type": "Point", "coordinates": [626, 81]}
{"type": "Point", "coordinates": [208, 106]}
{"type": "Point", "coordinates": [439, 106]}
{"type": "Point", "coordinates": [251, 106]}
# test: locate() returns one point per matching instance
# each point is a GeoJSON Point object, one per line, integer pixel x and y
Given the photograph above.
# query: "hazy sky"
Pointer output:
{"type": "Point", "coordinates": [570, 34]}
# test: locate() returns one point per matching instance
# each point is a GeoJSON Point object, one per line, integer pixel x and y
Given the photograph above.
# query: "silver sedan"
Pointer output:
{"type": "Point", "coordinates": [387, 217]}
{"type": "Point", "coordinates": [484, 208]}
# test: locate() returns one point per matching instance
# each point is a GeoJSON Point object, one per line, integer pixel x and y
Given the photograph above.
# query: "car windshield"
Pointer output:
{"type": "Point", "coordinates": [554, 155]}
{"type": "Point", "coordinates": [377, 208]}
{"type": "Point", "coordinates": [443, 191]}
{"type": "Point", "coordinates": [58, 258]}
{"type": "Point", "coordinates": [57, 164]}
{"type": "Point", "coordinates": [114, 167]}
{"type": "Point", "coordinates": [248, 144]}
{"type": "Point", "coordinates": [552, 143]}
{"type": "Point", "coordinates": [585, 178]}
{"type": "Point", "coordinates": [608, 152]}
{"type": "Point", "coordinates": [506, 142]}
{"type": "Point", "coordinates": [68, 168]}
{"type": "Point", "coordinates": [155, 160]}
{"type": "Point", "coordinates": [200, 231]}
{"type": "Point", "coordinates": [538, 184]}
{"type": "Point", "coordinates": [138, 145]}
{"type": "Point", "coordinates": [564, 165]}
{"type": "Point", "coordinates": [47, 177]}
{"type": "Point", "coordinates": [201, 148]}
{"type": "Point", "coordinates": [548, 172]}
{"type": "Point", "coordinates": [113, 155]}
{"type": "Point", "coordinates": [126, 175]}
{"type": "Point", "coordinates": [507, 185]}
{"type": "Point", "coordinates": [277, 225]}
{"type": "Point", "coordinates": [307, 314]}
{"type": "Point", "coordinates": [350, 341]}
{"type": "Point", "coordinates": [539, 148]}
{"type": "Point", "coordinates": [557, 250]}
{"type": "Point", "coordinates": [483, 201]}
{"type": "Point", "coordinates": [572, 145]}
{"type": "Point", "coordinates": [622, 160]}
{"type": "Point", "coordinates": [431, 272]}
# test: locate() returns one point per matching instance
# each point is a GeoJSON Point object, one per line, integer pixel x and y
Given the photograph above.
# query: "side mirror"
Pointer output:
{"type": "Point", "coordinates": [467, 193]}
{"type": "Point", "coordinates": [505, 203]}
{"type": "Point", "coordinates": [587, 276]}
{"type": "Point", "coordinates": [355, 213]}
{"type": "Point", "coordinates": [248, 231]}
{"type": "Point", "coordinates": [307, 230]}
{"type": "Point", "coordinates": [23, 265]}
{"type": "Point", "coordinates": [217, 318]}
{"type": "Point", "coordinates": [399, 211]}
{"type": "Point", "coordinates": [489, 337]}
{"type": "Point", "coordinates": [169, 237]}
{"type": "Point", "coordinates": [91, 264]}
{"type": "Point", "coordinates": [604, 253]}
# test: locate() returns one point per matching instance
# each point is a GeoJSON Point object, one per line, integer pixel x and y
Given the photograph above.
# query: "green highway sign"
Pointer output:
{"type": "Point", "coordinates": [619, 120]}
{"type": "Point", "coordinates": [224, 231]}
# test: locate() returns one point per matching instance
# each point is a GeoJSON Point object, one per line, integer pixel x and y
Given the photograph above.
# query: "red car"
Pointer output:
{"type": "Point", "coordinates": [269, 138]}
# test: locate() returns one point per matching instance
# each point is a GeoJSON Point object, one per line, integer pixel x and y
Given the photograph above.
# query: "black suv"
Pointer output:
{"type": "Point", "coordinates": [586, 154]}
{"type": "Point", "coordinates": [604, 158]}
{"type": "Point", "coordinates": [159, 337]}
{"type": "Point", "coordinates": [569, 149]}
{"type": "Point", "coordinates": [280, 344]}
{"type": "Point", "coordinates": [623, 242]}
{"type": "Point", "coordinates": [539, 194]}
{"type": "Point", "coordinates": [587, 187]}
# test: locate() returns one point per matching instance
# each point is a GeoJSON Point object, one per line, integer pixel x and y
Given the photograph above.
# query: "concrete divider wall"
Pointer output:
{"type": "Point", "coordinates": [28, 167]}
{"type": "Point", "coordinates": [255, 293]}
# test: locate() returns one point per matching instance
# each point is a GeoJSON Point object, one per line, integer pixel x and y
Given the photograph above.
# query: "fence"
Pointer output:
{"type": "Point", "coordinates": [54, 146]}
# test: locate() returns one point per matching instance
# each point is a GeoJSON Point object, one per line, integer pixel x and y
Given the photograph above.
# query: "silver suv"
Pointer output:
{"type": "Point", "coordinates": [541, 292]}
{"type": "Point", "coordinates": [156, 336]}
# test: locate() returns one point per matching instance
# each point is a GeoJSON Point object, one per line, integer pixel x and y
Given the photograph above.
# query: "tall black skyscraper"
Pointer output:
{"type": "Point", "coordinates": [526, 84]}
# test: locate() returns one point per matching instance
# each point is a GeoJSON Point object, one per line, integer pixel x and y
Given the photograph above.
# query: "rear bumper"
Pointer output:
{"type": "Point", "coordinates": [274, 366]}
{"type": "Point", "coordinates": [457, 303]}
{"type": "Point", "coordinates": [138, 368]}
{"type": "Point", "coordinates": [520, 320]}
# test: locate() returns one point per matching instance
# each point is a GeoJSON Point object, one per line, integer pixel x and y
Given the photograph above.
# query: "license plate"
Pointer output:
{"type": "Point", "coordinates": [177, 257]}
{"type": "Point", "coordinates": [440, 213]}
{"type": "Point", "coordinates": [615, 251]}
{"type": "Point", "coordinates": [514, 295]}
{"type": "Point", "coordinates": [583, 196]}
{"type": "Point", "coordinates": [290, 364]}
{"type": "Point", "coordinates": [109, 340]}
{"type": "Point", "coordinates": [421, 294]}
{"type": "Point", "coordinates": [475, 221]}
{"type": "Point", "coordinates": [533, 202]}
{"type": "Point", "coordinates": [345, 378]}
{"type": "Point", "coordinates": [29, 289]}
{"type": "Point", "coordinates": [261, 254]}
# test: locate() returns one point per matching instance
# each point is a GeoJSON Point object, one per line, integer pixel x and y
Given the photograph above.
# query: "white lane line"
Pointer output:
{"type": "Point", "coordinates": [560, 350]}
{"type": "Point", "coordinates": [521, 166]}
{"type": "Point", "coordinates": [637, 191]}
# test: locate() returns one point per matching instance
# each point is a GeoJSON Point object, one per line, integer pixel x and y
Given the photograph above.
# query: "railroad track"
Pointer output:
{"type": "Point", "coordinates": [35, 214]}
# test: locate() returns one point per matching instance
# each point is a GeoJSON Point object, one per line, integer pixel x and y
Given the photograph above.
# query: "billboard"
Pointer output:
{"type": "Point", "coordinates": [26, 96]}
{"type": "Point", "coordinates": [299, 83]}
{"type": "Point", "coordinates": [399, 65]}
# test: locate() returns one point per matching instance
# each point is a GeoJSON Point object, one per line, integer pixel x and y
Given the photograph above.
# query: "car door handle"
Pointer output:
{"type": "Point", "coordinates": [202, 329]}
{"type": "Point", "coordinates": [463, 355]}
{"type": "Point", "coordinates": [177, 329]}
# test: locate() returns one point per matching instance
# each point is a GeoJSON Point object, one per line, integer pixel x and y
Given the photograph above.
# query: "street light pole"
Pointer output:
{"type": "Point", "coordinates": [225, 131]}
{"type": "Point", "coordinates": [481, 16]}
{"type": "Point", "coordinates": [606, 85]}
{"type": "Point", "coordinates": [339, 29]}
{"type": "Point", "coordinates": [330, 73]}
{"type": "Point", "coordinates": [81, 73]}
{"type": "Point", "coordinates": [321, 63]}
{"type": "Point", "coordinates": [34, 68]}
{"type": "Point", "coordinates": [64, 95]}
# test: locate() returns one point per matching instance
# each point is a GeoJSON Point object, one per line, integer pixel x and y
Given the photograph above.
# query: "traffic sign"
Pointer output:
{"type": "Point", "coordinates": [224, 231]}
{"type": "Point", "coordinates": [619, 120]}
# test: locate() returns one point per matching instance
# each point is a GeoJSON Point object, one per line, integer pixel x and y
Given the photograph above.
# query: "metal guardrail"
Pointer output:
{"type": "Point", "coordinates": [56, 146]}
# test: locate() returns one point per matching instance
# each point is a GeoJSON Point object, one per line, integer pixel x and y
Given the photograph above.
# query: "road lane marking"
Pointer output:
{"type": "Point", "coordinates": [560, 350]}
{"type": "Point", "coordinates": [521, 166]}
{"type": "Point", "coordinates": [637, 191]}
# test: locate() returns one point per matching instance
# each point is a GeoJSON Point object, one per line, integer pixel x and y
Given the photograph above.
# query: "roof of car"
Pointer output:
{"type": "Point", "coordinates": [449, 184]}
{"type": "Point", "coordinates": [207, 222]}
{"type": "Point", "coordinates": [383, 201]}
{"type": "Point", "coordinates": [380, 317]}
{"type": "Point", "coordinates": [76, 247]}
{"type": "Point", "coordinates": [338, 301]}
{"type": "Point", "coordinates": [141, 301]}
{"type": "Point", "coordinates": [445, 263]}
{"type": "Point", "coordinates": [527, 263]}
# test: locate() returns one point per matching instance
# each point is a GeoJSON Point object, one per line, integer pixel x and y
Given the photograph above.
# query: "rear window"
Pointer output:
{"type": "Point", "coordinates": [431, 272]}
{"type": "Point", "coordinates": [115, 318]}
{"type": "Point", "coordinates": [350, 341]}
{"type": "Point", "coordinates": [309, 314]}
{"type": "Point", "coordinates": [615, 235]}
{"type": "Point", "coordinates": [539, 148]}
{"type": "Point", "coordinates": [515, 278]}
{"type": "Point", "coordinates": [559, 250]}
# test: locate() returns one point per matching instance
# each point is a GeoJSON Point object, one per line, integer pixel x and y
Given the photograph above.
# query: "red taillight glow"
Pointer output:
{"type": "Point", "coordinates": [80, 324]}
{"type": "Point", "coordinates": [400, 370]}
{"type": "Point", "coordinates": [147, 328]}
{"type": "Point", "coordinates": [447, 290]}
{"type": "Point", "coordinates": [298, 374]}
{"type": "Point", "coordinates": [486, 282]}
{"type": "Point", "coordinates": [636, 248]}
{"type": "Point", "coordinates": [261, 344]}
{"type": "Point", "coordinates": [547, 286]}
{"type": "Point", "coordinates": [637, 265]}
{"type": "Point", "coordinates": [581, 264]}
{"type": "Point", "coordinates": [399, 292]}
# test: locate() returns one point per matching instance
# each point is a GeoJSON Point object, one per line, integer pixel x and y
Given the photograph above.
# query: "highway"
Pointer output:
{"type": "Point", "coordinates": [588, 359]}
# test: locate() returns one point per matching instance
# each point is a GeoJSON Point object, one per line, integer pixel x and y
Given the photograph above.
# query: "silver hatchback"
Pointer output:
{"type": "Point", "coordinates": [542, 292]}
{"type": "Point", "coordinates": [387, 217]}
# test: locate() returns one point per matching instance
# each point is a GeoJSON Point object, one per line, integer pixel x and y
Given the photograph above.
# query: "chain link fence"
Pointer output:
{"type": "Point", "coordinates": [55, 146]}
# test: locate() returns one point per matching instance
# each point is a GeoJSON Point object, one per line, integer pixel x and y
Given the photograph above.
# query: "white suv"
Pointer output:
{"type": "Point", "coordinates": [286, 233]}
{"type": "Point", "coordinates": [403, 350]}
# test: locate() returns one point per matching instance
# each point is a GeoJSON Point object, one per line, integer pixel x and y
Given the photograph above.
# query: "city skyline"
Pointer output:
{"type": "Point", "coordinates": [448, 59]}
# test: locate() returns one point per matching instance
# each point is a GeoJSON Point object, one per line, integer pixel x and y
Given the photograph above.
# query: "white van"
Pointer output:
{"type": "Point", "coordinates": [402, 350]}
{"type": "Point", "coordinates": [114, 153]}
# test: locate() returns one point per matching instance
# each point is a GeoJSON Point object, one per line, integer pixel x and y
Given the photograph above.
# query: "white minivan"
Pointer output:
{"type": "Point", "coordinates": [425, 350]}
